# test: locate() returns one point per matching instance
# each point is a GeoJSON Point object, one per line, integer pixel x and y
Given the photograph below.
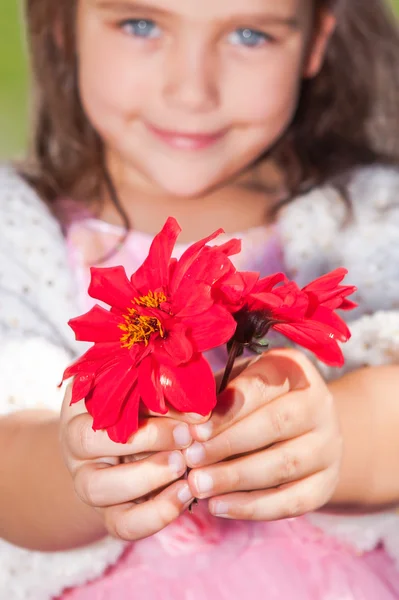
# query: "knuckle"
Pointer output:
{"type": "Point", "coordinates": [234, 479]}
{"type": "Point", "coordinates": [152, 436]}
{"type": "Point", "coordinates": [167, 512]}
{"type": "Point", "coordinates": [144, 481]}
{"type": "Point", "coordinates": [289, 467]}
{"type": "Point", "coordinates": [258, 386]}
{"type": "Point", "coordinates": [82, 434]}
{"type": "Point", "coordinates": [226, 448]}
{"type": "Point", "coordinates": [120, 527]}
{"type": "Point", "coordinates": [297, 506]}
{"type": "Point", "coordinates": [248, 511]}
{"type": "Point", "coordinates": [281, 420]}
{"type": "Point", "coordinates": [86, 486]}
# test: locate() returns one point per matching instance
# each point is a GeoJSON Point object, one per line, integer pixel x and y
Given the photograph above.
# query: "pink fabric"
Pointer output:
{"type": "Point", "coordinates": [200, 557]}
{"type": "Point", "coordinates": [286, 560]}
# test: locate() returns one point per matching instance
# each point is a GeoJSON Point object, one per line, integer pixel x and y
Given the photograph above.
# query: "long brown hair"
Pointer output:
{"type": "Point", "coordinates": [347, 115]}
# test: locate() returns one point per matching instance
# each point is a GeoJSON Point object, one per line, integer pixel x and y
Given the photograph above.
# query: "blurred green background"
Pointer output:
{"type": "Point", "coordinates": [13, 79]}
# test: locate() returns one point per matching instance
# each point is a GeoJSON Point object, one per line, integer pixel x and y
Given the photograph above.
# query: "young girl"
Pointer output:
{"type": "Point", "coordinates": [276, 121]}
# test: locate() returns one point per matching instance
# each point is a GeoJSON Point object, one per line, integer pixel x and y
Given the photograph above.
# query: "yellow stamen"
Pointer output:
{"type": "Point", "coordinates": [139, 328]}
{"type": "Point", "coordinates": [151, 300]}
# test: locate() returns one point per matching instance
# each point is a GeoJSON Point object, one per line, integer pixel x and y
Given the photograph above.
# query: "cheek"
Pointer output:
{"type": "Point", "coordinates": [268, 95]}
{"type": "Point", "coordinates": [111, 88]}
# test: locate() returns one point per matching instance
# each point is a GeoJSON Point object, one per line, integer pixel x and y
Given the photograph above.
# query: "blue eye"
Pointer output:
{"type": "Point", "coordinates": [249, 38]}
{"type": "Point", "coordinates": [142, 28]}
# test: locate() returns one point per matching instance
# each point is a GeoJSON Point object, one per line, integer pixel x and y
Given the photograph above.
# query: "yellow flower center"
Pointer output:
{"type": "Point", "coordinates": [139, 328]}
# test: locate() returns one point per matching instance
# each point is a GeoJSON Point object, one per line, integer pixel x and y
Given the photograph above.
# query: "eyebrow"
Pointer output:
{"type": "Point", "coordinates": [134, 7]}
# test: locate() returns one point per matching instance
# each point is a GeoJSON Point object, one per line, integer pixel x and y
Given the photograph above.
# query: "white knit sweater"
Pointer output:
{"type": "Point", "coordinates": [37, 299]}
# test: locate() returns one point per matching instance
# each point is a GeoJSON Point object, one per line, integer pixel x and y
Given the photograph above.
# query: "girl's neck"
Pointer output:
{"type": "Point", "coordinates": [237, 207]}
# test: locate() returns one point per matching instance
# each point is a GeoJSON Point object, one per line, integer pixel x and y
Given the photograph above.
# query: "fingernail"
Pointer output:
{"type": "Point", "coordinates": [182, 436]}
{"type": "Point", "coordinates": [184, 494]}
{"type": "Point", "coordinates": [195, 453]}
{"type": "Point", "coordinates": [203, 482]}
{"type": "Point", "coordinates": [204, 431]}
{"type": "Point", "coordinates": [219, 508]}
{"type": "Point", "coordinates": [176, 463]}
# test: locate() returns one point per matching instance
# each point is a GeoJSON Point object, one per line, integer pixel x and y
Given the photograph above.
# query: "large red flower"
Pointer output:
{"type": "Point", "coordinates": [147, 347]}
{"type": "Point", "coordinates": [306, 316]}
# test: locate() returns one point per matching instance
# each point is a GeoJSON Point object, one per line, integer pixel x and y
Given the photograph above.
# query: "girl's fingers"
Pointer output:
{"type": "Point", "coordinates": [284, 418]}
{"type": "Point", "coordinates": [273, 375]}
{"type": "Point", "coordinates": [280, 464]}
{"type": "Point", "coordinates": [100, 485]}
{"type": "Point", "coordinates": [133, 522]}
{"type": "Point", "coordinates": [191, 418]}
{"type": "Point", "coordinates": [291, 500]}
{"type": "Point", "coordinates": [239, 366]}
{"type": "Point", "coordinates": [154, 435]}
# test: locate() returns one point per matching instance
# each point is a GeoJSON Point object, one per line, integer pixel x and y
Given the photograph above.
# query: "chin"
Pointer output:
{"type": "Point", "coordinates": [189, 186]}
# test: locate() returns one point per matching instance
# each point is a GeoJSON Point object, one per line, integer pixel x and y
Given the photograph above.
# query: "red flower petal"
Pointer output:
{"type": "Point", "coordinates": [328, 291]}
{"type": "Point", "coordinates": [333, 323]}
{"type": "Point", "coordinates": [348, 304]}
{"type": "Point", "coordinates": [112, 386]}
{"type": "Point", "coordinates": [187, 259]}
{"type": "Point", "coordinates": [191, 298]}
{"type": "Point", "coordinates": [327, 281]}
{"type": "Point", "coordinates": [151, 391]}
{"type": "Point", "coordinates": [311, 336]}
{"type": "Point", "coordinates": [111, 285]}
{"type": "Point", "coordinates": [266, 284]}
{"type": "Point", "coordinates": [212, 328]}
{"type": "Point", "coordinates": [177, 344]}
{"type": "Point", "coordinates": [233, 290]}
{"type": "Point", "coordinates": [97, 325]}
{"type": "Point", "coordinates": [82, 385]}
{"type": "Point", "coordinates": [128, 422]}
{"type": "Point", "coordinates": [154, 272]}
{"type": "Point", "coordinates": [93, 359]}
{"type": "Point", "coordinates": [190, 387]}
{"type": "Point", "coordinates": [231, 247]}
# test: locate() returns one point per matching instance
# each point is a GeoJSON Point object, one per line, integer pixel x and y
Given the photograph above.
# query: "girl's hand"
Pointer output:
{"type": "Point", "coordinates": [272, 448]}
{"type": "Point", "coordinates": [119, 490]}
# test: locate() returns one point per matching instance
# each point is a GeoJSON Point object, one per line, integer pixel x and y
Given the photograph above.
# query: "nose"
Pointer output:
{"type": "Point", "coordinates": [190, 80]}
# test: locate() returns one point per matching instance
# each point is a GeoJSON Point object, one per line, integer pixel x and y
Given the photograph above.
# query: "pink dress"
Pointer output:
{"type": "Point", "coordinates": [200, 557]}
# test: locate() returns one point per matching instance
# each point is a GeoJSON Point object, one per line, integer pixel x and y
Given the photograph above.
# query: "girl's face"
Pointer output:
{"type": "Point", "coordinates": [187, 93]}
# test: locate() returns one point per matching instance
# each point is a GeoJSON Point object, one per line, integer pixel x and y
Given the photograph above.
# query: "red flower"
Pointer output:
{"type": "Point", "coordinates": [306, 316]}
{"type": "Point", "coordinates": [148, 346]}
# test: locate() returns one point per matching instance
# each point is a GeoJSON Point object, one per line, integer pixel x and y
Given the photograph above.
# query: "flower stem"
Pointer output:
{"type": "Point", "coordinates": [234, 352]}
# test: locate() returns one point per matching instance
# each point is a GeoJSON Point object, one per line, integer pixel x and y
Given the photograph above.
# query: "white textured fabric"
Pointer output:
{"type": "Point", "coordinates": [37, 299]}
{"type": "Point", "coordinates": [31, 369]}
{"type": "Point", "coordinates": [319, 234]}
{"type": "Point", "coordinates": [27, 575]}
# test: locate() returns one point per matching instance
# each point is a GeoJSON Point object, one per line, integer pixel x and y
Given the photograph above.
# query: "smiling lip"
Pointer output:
{"type": "Point", "coordinates": [186, 141]}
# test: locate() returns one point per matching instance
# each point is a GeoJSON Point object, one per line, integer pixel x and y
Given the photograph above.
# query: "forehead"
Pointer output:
{"type": "Point", "coordinates": [203, 10]}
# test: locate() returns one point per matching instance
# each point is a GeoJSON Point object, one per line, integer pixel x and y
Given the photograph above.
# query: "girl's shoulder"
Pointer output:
{"type": "Point", "coordinates": [368, 190]}
{"type": "Point", "coordinates": [22, 211]}
{"type": "Point", "coordinates": [369, 194]}
{"type": "Point", "coordinates": [326, 227]}
{"type": "Point", "coordinates": [374, 191]}
{"type": "Point", "coordinates": [36, 281]}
